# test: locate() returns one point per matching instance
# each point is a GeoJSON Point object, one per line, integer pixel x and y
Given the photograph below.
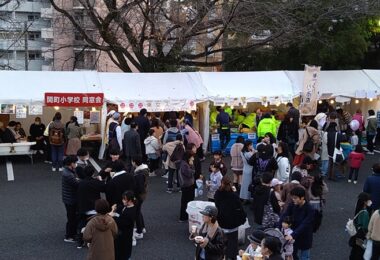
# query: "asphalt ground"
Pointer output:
{"type": "Point", "coordinates": [32, 220]}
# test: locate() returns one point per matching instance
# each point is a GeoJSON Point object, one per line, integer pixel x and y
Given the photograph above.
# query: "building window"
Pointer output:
{"type": "Point", "coordinates": [33, 36]}
{"type": "Point", "coordinates": [33, 17]}
{"type": "Point", "coordinates": [35, 55]}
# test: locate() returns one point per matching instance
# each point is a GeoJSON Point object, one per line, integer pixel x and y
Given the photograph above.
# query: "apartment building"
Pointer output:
{"type": "Point", "coordinates": [25, 35]}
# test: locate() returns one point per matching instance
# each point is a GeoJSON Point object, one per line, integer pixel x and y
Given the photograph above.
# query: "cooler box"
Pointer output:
{"type": "Point", "coordinates": [193, 209]}
{"type": "Point", "coordinates": [250, 136]}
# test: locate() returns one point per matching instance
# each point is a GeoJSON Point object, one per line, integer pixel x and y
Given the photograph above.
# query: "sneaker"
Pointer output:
{"type": "Point", "coordinates": [60, 169]}
{"type": "Point", "coordinates": [143, 231]}
{"type": "Point", "coordinates": [48, 162]}
{"type": "Point", "coordinates": [69, 240]}
{"type": "Point", "coordinates": [349, 181]}
{"type": "Point", "coordinates": [166, 175]}
{"type": "Point", "coordinates": [138, 236]}
{"type": "Point", "coordinates": [376, 151]}
{"type": "Point", "coordinates": [41, 151]}
{"type": "Point", "coordinates": [152, 174]}
{"type": "Point", "coordinates": [170, 191]}
{"type": "Point", "coordinates": [365, 149]}
{"type": "Point", "coordinates": [134, 241]}
{"type": "Point", "coordinates": [355, 182]}
{"type": "Point", "coordinates": [53, 169]}
{"type": "Point", "coordinates": [370, 153]}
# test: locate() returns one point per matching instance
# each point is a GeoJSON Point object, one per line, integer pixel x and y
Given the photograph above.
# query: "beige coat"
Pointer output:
{"type": "Point", "coordinates": [374, 227]}
{"type": "Point", "coordinates": [100, 233]}
{"type": "Point", "coordinates": [169, 148]}
{"type": "Point", "coordinates": [303, 138]}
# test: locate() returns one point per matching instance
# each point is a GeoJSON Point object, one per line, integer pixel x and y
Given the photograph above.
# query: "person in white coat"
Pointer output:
{"type": "Point", "coordinates": [246, 153]}
{"type": "Point", "coordinates": [283, 171]}
{"type": "Point", "coordinates": [152, 150]}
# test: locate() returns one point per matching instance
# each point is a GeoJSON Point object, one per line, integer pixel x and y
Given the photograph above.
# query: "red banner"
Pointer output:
{"type": "Point", "coordinates": [74, 99]}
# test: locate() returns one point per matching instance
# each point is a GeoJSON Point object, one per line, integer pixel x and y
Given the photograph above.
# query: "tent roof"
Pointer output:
{"type": "Point", "coordinates": [338, 83]}
{"type": "Point", "coordinates": [120, 87]}
{"type": "Point", "coordinates": [30, 86]}
{"type": "Point", "coordinates": [251, 85]}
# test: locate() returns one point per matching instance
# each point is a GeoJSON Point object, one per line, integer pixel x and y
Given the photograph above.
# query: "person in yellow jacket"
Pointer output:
{"type": "Point", "coordinates": [228, 110]}
{"type": "Point", "coordinates": [213, 116]}
{"type": "Point", "coordinates": [266, 125]}
{"type": "Point", "coordinates": [249, 121]}
{"type": "Point", "coordinates": [239, 118]}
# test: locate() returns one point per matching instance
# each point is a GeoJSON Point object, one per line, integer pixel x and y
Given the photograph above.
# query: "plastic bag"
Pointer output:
{"type": "Point", "coordinates": [199, 188]}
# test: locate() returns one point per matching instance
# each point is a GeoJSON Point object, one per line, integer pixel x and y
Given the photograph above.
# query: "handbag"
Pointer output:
{"type": "Point", "coordinates": [350, 225]}
{"type": "Point", "coordinates": [338, 156]}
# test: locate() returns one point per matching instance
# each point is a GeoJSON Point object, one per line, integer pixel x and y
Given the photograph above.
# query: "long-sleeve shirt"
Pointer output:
{"type": "Point", "coordinates": [215, 182]}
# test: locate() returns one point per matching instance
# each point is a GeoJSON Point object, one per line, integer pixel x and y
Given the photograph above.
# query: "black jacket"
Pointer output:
{"type": "Point", "coordinates": [275, 257]}
{"type": "Point", "coordinates": [143, 127]}
{"type": "Point", "coordinates": [69, 187]}
{"type": "Point", "coordinates": [214, 250]}
{"type": "Point", "coordinates": [126, 221]}
{"type": "Point", "coordinates": [132, 144]}
{"type": "Point", "coordinates": [288, 132]}
{"type": "Point", "coordinates": [331, 142]}
{"type": "Point", "coordinates": [117, 186]}
{"type": "Point", "coordinates": [8, 137]}
{"type": "Point", "coordinates": [260, 199]}
{"type": "Point", "coordinates": [141, 181]}
{"type": "Point", "coordinates": [89, 190]}
{"type": "Point", "coordinates": [197, 167]}
{"type": "Point", "coordinates": [36, 131]}
{"type": "Point", "coordinates": [229, 209]}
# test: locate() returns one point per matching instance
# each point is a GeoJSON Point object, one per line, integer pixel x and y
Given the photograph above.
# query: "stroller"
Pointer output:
{"type": "Point", "coordinates": [287, 246]}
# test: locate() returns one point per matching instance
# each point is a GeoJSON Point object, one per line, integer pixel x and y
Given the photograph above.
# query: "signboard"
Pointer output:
{"type": "Point", "coordinates": [157, 105]}
{"type": "Point", "coordinates": [215, 137]}
{"type": "Point", "coordinates": [80, 116]}
{"type": "Point", "coordinates": [7, 109]}
{"type": "Point", "coordinates": [35, 110]}
{"type": "Point", "coordinates": [74, 99]}
{"type": "Point", "coordinates": [309, 97]}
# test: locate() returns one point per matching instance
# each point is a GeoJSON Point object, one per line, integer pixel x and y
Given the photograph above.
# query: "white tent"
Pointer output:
{"type": "Point", "coordinates": [154, 91]}
{"type": "Point", "coordinates": [345, 83]}
{"type": "Point", "coordinates": [253, 86]}
{"type": "Point", "coordinates": [28, 87]}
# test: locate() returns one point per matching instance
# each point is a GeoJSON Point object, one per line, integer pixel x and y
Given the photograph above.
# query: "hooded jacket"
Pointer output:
{"type": "Point", "coordinates": [100, 232]}
{"type": "Point", "coordinates": [266, 125]}
{"type": "Point", "coordinates": [151, 145]}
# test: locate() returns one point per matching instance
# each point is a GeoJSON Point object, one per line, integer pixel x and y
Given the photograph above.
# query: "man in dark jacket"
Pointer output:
{"type": "Point", "coordinates": [302, 214]}
{"type": "Point", "coordinates": [333, 140]}
{"type": "Point", "coordinates": [293, 112]}
{"type": "Point", "coordinates": [9, 133]}
{"type": "Point", "coordinates": [57, 141]}
{"type": "Point", "coordinates": [143, 124]}
{"type": "Point", "coordinates": [140, 177]}
{"type": "Point", "coordinates": [223, 120]}
{"type": "Point", "coordinates": [36, 131]}
{"type": "Point", "coordinates": [89, 190]}
{"type": "Point", "coordinates": [121, 181]}
{"type": "Point", "coordinates": [69, 197]}
{"type": "Point", "coordinates": [261, 196]}
{"type": "Point", "coordinates": [132, 145]}
{"type": "Point", "coordinates": [372, 186]}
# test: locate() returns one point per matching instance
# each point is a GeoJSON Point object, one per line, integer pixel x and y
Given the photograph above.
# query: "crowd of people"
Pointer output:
{"type": "Point", "coordinates": [281, 179]}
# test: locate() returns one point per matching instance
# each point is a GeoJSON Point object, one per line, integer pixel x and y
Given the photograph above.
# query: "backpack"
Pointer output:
{"type": "Point", "coordinates": [261, 166]}
{"type": "Point", "coordinates": [350, 225]}
{"type": "Point", "coordinates": [177, 154]}
{"type": "Point", "coordinates": [309, 144]}
{"type": "Point", "coordinates": [270, 218]}
{"type": "Point", "coordinates": [56, 136]}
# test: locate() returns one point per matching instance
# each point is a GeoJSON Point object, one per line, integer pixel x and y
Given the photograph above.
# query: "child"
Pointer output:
{"type": "Point", "coordinates": [287, 231]}
{"type": "Point", "coordinates": [277, 188]}
{"type": "Point", "coordinates": [355, 160]}
{"type": "Point", "coordinates": [215, 181]}
{"type": "Point", "coordinates": [254, 248]}
{"type": "Point", "coordinates": [218, 159]}
{"type": "Point", "coordinates": [125, 216]}
{"type": "Point", "coordinates": [354, 140]}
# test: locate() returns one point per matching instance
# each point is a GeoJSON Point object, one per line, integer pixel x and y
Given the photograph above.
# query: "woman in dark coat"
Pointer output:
{"type": "Point", "coordinates": [231, 215]}
{"type": "Point", "coordinates": [288, 133]}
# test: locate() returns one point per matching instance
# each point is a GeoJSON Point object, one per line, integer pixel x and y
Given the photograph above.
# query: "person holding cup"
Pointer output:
{"type": "Point", "coordinates": [271, 248]}
{"type": "Point", "coordinates": [210, 238]}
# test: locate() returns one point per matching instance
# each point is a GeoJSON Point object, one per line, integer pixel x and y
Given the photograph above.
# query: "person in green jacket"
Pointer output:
{"type": "Point", "coordinates": [266, 125]}
{"type": "Point", "coordinates": [239, 118]}
{"type": "Point", "coordinates": [249, 121]}
{"type": "Point", "coordinates": [361, 221]}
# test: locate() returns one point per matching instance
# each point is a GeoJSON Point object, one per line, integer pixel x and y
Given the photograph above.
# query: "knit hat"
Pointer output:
{"type": "Point", "coordinates": [116, 116]}
{"type": "Point", "coordinates": [257, 236]}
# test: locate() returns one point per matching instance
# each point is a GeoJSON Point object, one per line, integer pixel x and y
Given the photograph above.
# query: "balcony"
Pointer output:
{"type": "Point", "coordinates": [24, 6]}
{"type": "Point", "coordinates": [47, 13]}
{"type": "Point", "coordinates": [47, 53]}
{"type": "Point", "coordinates": [47, 33]}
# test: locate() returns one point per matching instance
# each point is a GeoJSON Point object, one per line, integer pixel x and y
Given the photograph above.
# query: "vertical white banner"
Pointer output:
{"type": "Point", "coordinates": [309, 96]}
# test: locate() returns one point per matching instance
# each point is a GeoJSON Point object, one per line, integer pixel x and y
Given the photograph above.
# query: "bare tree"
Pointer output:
{"type": "Point", "coordinates": [149, 35]}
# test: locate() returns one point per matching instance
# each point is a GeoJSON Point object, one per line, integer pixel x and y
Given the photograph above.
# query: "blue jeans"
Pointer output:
{"type": "Point", "coordinates": [301, 254]}
{"type": "Point", "coordinates": [324, 167]}
{"type": "Point", "coordinates": [57, 156]}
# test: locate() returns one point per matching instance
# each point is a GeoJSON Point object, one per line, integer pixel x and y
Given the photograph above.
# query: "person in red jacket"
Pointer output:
{"type": "Point", "coordinates": [355, 159]}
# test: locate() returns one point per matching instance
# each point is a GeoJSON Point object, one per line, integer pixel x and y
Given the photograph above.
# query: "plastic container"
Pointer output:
{"type": "Point", "coordinates": [193, 209]}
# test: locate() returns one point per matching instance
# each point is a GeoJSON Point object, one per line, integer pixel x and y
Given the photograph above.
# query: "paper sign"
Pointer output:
{"type": "Point", "coordinates": [21, 111]}
{"type": "Point", "coordinates": [35, 110]}
{"type": "Point", "coordinates": [80, 116]}
{"type": "Point", "coordinates": [309, 97]}
{"type": "Point", "coordinates": [251, 136]}
{"type": "Point", "coordinates": [215, 137]}
{"type": "Point", "coordinates": [95, 117]}
{"type": "Point", "coordinates": [7, 109]}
